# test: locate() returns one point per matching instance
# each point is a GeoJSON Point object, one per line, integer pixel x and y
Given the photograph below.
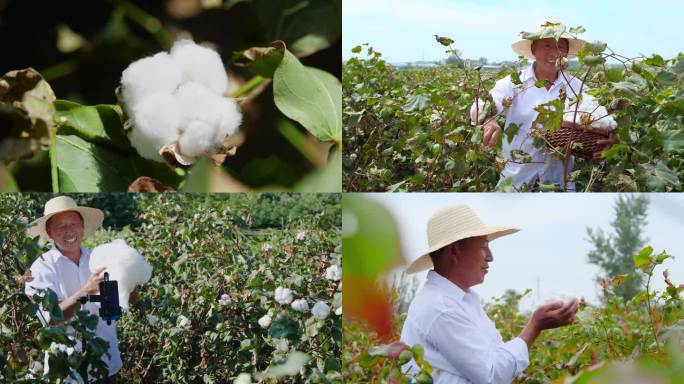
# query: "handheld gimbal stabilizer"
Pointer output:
{"type": "Point", "coordinates": [108, 299]}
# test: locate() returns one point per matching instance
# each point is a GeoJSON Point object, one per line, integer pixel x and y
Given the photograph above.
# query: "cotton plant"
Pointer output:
{"type": "Point", "coordinates": [184, 322]}
{"type": "Point", "coordinates": [176, 105]}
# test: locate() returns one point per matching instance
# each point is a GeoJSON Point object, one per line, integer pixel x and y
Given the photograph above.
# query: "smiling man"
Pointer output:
{"type": "Point", "coordinates": [517, 103]}
{"type": "Point", "coordinates": [446, 316]}
{"type": "Point", "coordinates": [65, 268]}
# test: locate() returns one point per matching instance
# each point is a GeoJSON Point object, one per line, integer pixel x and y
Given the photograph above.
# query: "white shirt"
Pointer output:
{"type": "Point", "coordinates": [542, 167]}
{"type": "Point", "coordinates": [55, 271]}
{"type": "Point", "coordinates": [461, 342]}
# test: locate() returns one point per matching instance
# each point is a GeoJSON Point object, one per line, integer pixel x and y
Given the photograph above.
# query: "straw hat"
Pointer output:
{"type": "Point", "coordinates": [451, 224]}
{"type": "Point", "coordinates": [547, 30]}
{"type": "Point", "coordinates": [92, 217]}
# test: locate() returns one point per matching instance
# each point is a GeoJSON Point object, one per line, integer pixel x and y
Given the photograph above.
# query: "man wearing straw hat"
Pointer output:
{"type": "Point", "coordinates": [446, 316]}
{"type": "Point", "coordinates": [65, 268]}
{"type": "Point", "coordinates": [549, 55]}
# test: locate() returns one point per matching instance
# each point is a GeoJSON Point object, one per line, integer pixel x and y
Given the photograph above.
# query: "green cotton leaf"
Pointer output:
{"type": "Point", "coordinates": [416, 102]}
{"type": "Point", "coordinates": [511, 131]}
{"type": "Point", "coordinates": [50, 304]}
{"type": "Point", "coordinates": [615, 150]}
{"type": "Point", "coordinates": [306, 26]}
{"type": "Point", "coordinates": [370, 238]}
{"type": "Point", "coordinates": [593, 60]}
{"type": "Point", "coordinates": [659, 176]}
{"type": "Point", "coordinates": [673, 141]}
{"type": "Point", "coordinates": [665, 78]}
{"type": "Point", "coordinates": [550, 116]}
{"type": "Point", "coordinates": [655, 60]}
{"type": "Point", "coordinates": [540, 83]}
{"type": "Point", "coordinates": [662, 257]}
{"type": "Point", "coordinates": [594, 47]}
{"type": "Point", "coordinates": [284, 327]}
{"type": "Point", "coordinates": [643, 259]}
{"type": "Point", "coordinates": [82, 166]}
{"type": "Point", "coordinates": [294, 362]}
{"type": "Point", "coordinates": [356, 49]}
{"type": "Point", "coordinates": [328, 179]}
{"type": "Point", "coordinates": [265, 60]}
{"type": "Point", "coordinates": [577, 29]}
{"type": "Point", "coordinates": [477, 135]}
{"type": "Point", "coordinates": [101, 124]}
{"type": "Point", "coordinates": [515, 78]}
{"type": "Point", "coordinates": [300, 94]}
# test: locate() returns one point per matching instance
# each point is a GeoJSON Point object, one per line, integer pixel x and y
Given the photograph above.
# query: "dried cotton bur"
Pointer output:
{"type": "Point", "coordinates": [177, 107]}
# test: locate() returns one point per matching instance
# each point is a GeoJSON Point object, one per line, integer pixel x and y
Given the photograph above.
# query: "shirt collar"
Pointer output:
{"type": "Point", "coordinates": [529, 75]}
{"type": "Point", "coordinates": [445, 284]}
{"type": "Point", "coordinates": [85, 253]}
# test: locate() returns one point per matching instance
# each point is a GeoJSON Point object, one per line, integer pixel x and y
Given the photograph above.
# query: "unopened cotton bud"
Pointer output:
{"type": "Point", "coordinates": [200, 64]}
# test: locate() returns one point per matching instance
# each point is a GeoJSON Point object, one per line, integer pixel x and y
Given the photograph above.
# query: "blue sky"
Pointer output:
{"type": "Point", "coordinates": [402, 29]}
{"type": "Point", "coordinates": [550, 251]}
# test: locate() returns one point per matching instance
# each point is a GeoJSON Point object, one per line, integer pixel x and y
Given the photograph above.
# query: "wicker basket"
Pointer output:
{"type": "Point", "coordinates": [570, 132]}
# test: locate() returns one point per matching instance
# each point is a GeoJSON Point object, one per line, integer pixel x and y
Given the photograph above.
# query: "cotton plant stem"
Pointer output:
{"type": "Point", "coordinates": [248, 86]}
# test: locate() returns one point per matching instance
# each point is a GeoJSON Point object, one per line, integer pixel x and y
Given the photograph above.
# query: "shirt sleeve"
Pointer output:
{"type": "Point", "coordinates": [44, 277]}
{"type": "Point", "coordinates": [472, 353]}
{"type": "Point", "coordinates": [502, 88]}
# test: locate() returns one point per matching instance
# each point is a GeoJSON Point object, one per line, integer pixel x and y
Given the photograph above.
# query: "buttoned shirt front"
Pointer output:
{"type": "Point", "coordinates": [460, 341]}
{"type": "Point", "coordinates": [57, 272]}
{"type": "Point", "coordinates": [542, 167]}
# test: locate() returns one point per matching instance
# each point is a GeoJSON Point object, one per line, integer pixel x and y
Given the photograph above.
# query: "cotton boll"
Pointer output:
{"type": "Point", "coordinates": [265, 321]}
{"type": "Point", "coordinates": [200, 64]}
{"type": "Point", "coordinates": [156, 120]}
{"type": "Point", "coordinates": [154, 74]}
{"type": "Point", "coordinates": [300, 305]}
{"type": "Point", "coordinates": [206, 119]}
{"type": "Point", "coordinates": [333, 272]}
{"type": "Point", "coordinates": [283, 295]}
{"type": "Point", "coordinates": [124, 264]}
{"type": "Point", "coordinates": [320, 310]}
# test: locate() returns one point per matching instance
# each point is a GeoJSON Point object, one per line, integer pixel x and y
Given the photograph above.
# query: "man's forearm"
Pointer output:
{"type": "Point", "coordinates": [530, 334]}
{"type": "Point", "coordinates": [68, 305]}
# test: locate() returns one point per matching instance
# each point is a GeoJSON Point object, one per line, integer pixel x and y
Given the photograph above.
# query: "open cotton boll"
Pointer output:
{"type": "Point", "coordinates": [200, 64]}
{"type": "Point", "coordinates": [206, 119]}
{"type": "Point", "coordinates": [124, 264]}
{"type": "Point", "coordinates": [589, 105]}
{"type": "Point", "coordinates": [156, 121]}
{"type": "Point", "coordinates": [154, 74]}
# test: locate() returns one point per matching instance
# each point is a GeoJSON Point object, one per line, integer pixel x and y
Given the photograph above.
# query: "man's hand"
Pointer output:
{"type": "Point", "coordinates": [490, 138]}
{"type": "Point", "coordinates": [92, 285]}
{"type": "Point", "coordinates": [608, 142]}
{"type": "Point", "coordinates": [549, 316]}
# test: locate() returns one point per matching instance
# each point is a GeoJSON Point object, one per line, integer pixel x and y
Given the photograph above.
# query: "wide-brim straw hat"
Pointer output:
{"type": "Point", "coordinates": [92, 217]}
{"type": "Point", "coordinates": [451, 224]}
{"type": "Point", "coordinates": [549, 29]}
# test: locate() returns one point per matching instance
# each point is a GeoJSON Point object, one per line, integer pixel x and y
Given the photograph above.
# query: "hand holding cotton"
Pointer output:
{"type": "Point", "coordinates": [176, 103]}
{"type": "Point", "coordinates": [124, 264]}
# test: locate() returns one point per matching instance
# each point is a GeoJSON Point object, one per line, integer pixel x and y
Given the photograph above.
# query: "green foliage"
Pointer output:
{"type": "Point", "coordinates": [395, 142]}
{"type": "Point", "coordinates": [201, 246]}
{"type": "Point", "coordinates": [613, 252]}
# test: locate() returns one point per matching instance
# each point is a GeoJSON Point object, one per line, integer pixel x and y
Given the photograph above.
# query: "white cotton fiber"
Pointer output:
{"type": "Point", "coordinates": [598, 114]}
{"type": "Point", "coordinates": [157, 120]}
{"type": "Point", "coordinates": [201, 65]}
{"type": "Point", "coordinates": [178, 98]}
{"type": "Point", "coordinates": [150, 75]}
{"type": "Point", "coordinates": [124, 264]}
{"type": "Point", "coordinates": [207, 119]}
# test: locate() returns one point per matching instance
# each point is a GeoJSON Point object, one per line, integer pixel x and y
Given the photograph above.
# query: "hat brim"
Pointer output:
{"type": "Point", "coordinates": [524, 47]}
{"type": "Point", "coordinates": [492, 232]}
{"type": "Point", "coordinates": [92, 220]}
